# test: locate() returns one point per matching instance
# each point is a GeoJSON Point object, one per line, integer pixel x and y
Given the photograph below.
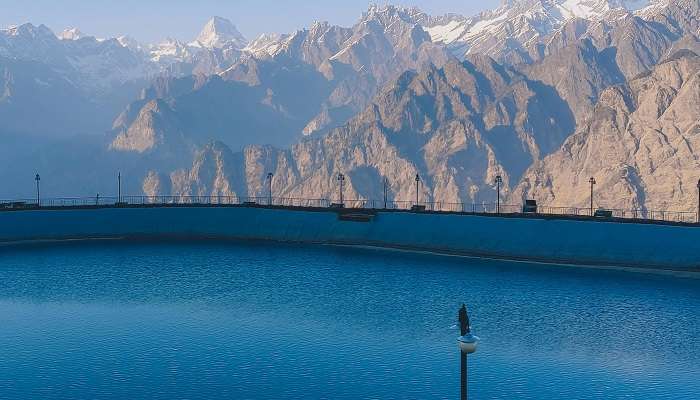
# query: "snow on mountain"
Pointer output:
{"type": "Point", "coordinates": [266, 44]}
{"type": "Point", "coordinates": [27, 30]}
{"type": "Point", "coordinates": [585, 9]}
{"type": "Point", "coordinates": [219, 32]}
{"type": "Point", "coordinates": [170, 50]}
{"type": "Point", "coordinates": [71, 34]}
{"type": "Point", "coordinates": [645, 9]}
{"type": "Point", "coordinates": [129, 43]}
{"type": "Point", "coordinates": [518, 23]}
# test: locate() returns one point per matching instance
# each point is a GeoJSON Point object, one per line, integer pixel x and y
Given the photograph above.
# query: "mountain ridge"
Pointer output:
{"type": "Point", "coordinates": [382, 100]}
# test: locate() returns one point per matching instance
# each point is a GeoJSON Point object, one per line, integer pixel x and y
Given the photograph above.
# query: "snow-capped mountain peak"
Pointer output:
{"type": "Point", "coordinates": [71, 34]}
{"type": "Point", "coordinates": [266, 44]}
{"type": "Point", "coordinates": [585, 9]}
{"type": "Point", "coordinates": [522, 21]}
{"type": "Point", "coordinates": [129, 43]}
{"type": "Point", "coordinates": [219, 32]}
{"type": "Point", "coordinates": [29, 31]}
{"type": "Point", "coordinates": [169, 49]}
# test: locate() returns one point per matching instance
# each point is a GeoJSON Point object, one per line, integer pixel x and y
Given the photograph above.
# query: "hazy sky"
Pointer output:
{"type": "Point", "coordinates": [153, 20]}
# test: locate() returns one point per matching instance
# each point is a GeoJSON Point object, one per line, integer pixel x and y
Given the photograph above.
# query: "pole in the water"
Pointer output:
{"type": "Point", "coordinates": [467, 345]}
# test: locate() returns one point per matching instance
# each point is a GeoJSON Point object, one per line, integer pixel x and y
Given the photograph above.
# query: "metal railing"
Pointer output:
{"type": "Point", "coordinates": [476, 208]}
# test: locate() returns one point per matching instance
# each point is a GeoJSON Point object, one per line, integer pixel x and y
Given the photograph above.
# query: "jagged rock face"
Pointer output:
{"type": "Point", "coordinates": [580, 73]}
{"type": "Point", "coordinates": [154, 127]}
{"type": "Point", "coordinates": [359, 60]}
{"type": "Point", "coordinates": [212, 173]}
{"type": "Point", "coordinates": [256, 103]}
{"type": "Point", "coordinates": [337, 69]}
{"type": "Point", "coordinates": [638, 40]}
{"type": "Point", "coordinates": [333, 99]}
{"type": "Point", "coordinates": [457, 127]}
{"type": "Point", "coordinates": [640, 45]}
{"type": "Point", "coordinates": [640, 145]}
{"type": "Point", "coordinates": [461, 125]}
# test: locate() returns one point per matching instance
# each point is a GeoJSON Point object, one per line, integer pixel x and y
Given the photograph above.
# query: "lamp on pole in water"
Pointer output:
{"type": "Point", "coordinates": [592, 182]}
{"type": "Point", "coordinates": [499, 180]}
{"type": "Point", "coordinates": [417, 185]}
{"type": "Point", "coordinates": [341, 180]}
{"type": "Point", "coordinates": [37, 178]}
{"type": "Point", "coordinates": [467, 345]}
{"type": "Point", "coordinates": [270, 175]}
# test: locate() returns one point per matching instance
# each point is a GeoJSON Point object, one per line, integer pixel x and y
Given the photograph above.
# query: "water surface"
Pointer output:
{"type": "Point", "coordinates": [110, 320]}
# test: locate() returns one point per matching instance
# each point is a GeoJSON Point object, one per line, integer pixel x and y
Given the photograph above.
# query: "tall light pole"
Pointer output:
{"type": "Point", "coordinates": [119, 187]}
{"type": "Point", "coordinates": [467, 345]}
{"type": "Point", "coordinates": [37, 178]}
{"type": "Point", "coordinates": [592, 182]}
{"type": "Point", "coordinates": [386, 184]}
{"type": "Point", "coordinates": [341, 180]}
{"type": "Point", "coordinates": [270, 175]}
{"type": "Point", "coordinates": [499, 180]}
{"type": "Point", "coordinates": [698, 201]}
{"type": "Point", "coordinates": [417, 185]}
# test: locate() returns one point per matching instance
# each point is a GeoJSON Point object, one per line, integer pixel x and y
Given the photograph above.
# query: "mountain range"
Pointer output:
{"type": "Point", "coordinates": [545, 93]}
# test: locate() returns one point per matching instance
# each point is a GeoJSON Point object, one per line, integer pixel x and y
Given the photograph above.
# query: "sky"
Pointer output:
{"type": "Point", "coordinates": [151, 21]}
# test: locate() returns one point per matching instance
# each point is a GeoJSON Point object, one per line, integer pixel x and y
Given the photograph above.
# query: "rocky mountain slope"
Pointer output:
{"type": "Point", "coordinates": [592, 104]}
{"type": "Point", "coordinates": [313, 81]}
{"type": "Point", "coordinates": [458, 126]}
{"type": "Point", "coordinates": [641, 145]}
{"type": "Point", "coordinates": [544, 93]}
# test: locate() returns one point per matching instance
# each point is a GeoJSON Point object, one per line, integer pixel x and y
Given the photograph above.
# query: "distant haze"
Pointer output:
{"type": "Point", "coordinates": [150, 21]}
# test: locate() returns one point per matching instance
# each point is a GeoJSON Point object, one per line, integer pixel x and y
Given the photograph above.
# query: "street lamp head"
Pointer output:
{"type": "Point", "coordinates": [499, 179]}
{"type": "Point", "coordinates": [270, 175]}
{"type": "Point", "coordinates": [341, 177]}
{"type": "Point", "coordinates": [37, 178]}
{"type": "Point", "coordinates": [592, 181]}
{"type": "Point", "coordinates": [468, 343]}
{"type": "Point", "coordinates": [417, 178]}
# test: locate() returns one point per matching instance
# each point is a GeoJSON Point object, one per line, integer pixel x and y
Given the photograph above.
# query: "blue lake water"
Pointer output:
{"type": "Point", "coordinates": [111, 320]}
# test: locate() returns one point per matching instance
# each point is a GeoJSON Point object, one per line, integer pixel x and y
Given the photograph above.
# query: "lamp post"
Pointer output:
{"type": "Point", "coordinates": [417, 185]}
{"type": "Point", "coordinates": [698, 201]}
{"type": "Point", "coordinates": [270, 175]}
{"type": "Point", "coordinates": [592, 182]}
{"type": "Point", "coordinates": [467, 345]}
{"type": "Point", "coordinates": [341, 180]}
{"type": "Point", "coordinates": [119, 187]}
{"type": "Point", "coordinates": [37, 178]}
{"type": "Point", "coordinates": [386, 184]}
{"type": "Point", "coordinates": [499, 180]}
